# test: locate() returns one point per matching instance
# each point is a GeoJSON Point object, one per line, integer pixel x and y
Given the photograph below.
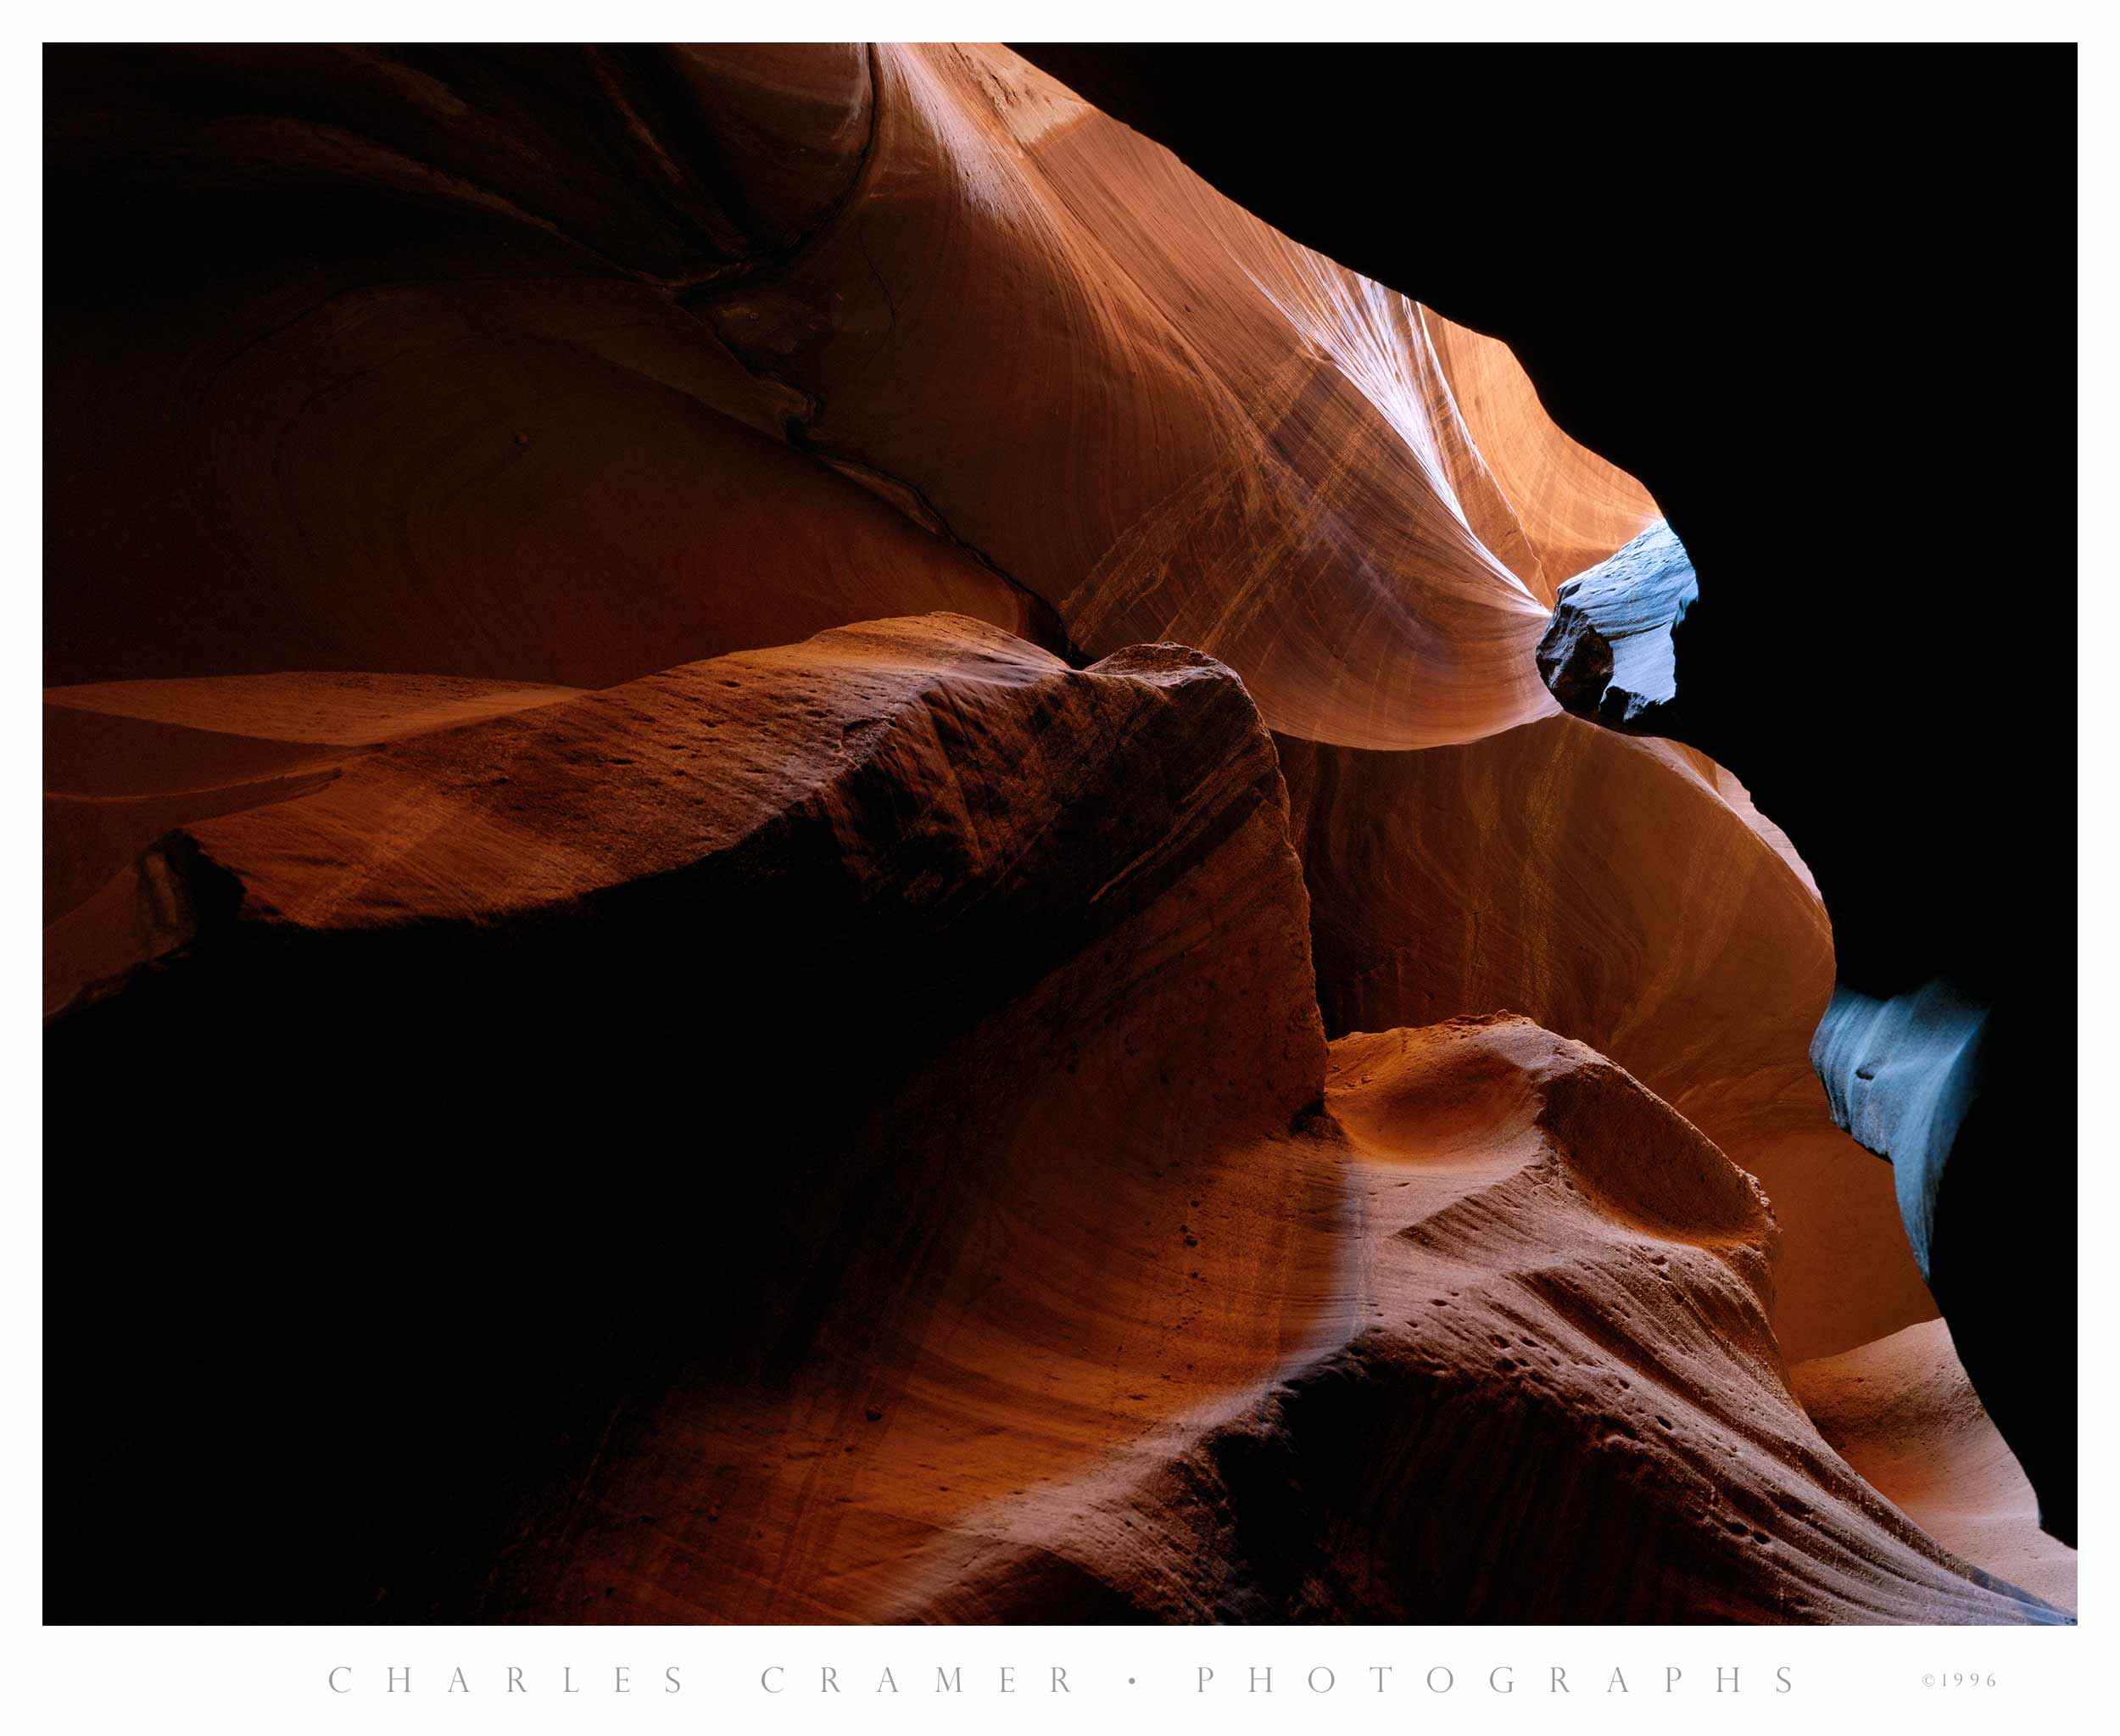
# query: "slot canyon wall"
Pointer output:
{"type": "Point", "coordinates": [1772, 325]}
{"type": "Point", "coordinates": [828, 805]}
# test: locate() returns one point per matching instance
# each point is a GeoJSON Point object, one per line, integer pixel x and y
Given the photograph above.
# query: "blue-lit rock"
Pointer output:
{"type": "Point", "coordinates": [1901, 1076]}
{"type": "Point", "coordinates": [1936, 1081]}
{"type": "Point", "coordinates": [1608, 654]}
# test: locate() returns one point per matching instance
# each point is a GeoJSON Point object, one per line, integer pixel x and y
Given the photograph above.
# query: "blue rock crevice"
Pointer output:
{"type": "Point", "coordinates": [1901, 1075]}
{"type": "Point", "coordinates": [1609, 654]}
{"type": "Point", "coordinates": [1932, 1081]}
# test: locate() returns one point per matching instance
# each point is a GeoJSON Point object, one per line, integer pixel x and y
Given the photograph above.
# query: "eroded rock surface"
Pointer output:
{"type": "Point", "coordinates": [1625, 892]}
{"type": "Point", "coordinates": [980, 987]}
{"type": "Point", "coordinates": [1559, 1318]}
{"type": "Point", "coordinates": [1083, 1290]}
{"type": "Point", "coordinates": [816, 335]}
{"type": "Point", "coordinates": [1903, 1413]}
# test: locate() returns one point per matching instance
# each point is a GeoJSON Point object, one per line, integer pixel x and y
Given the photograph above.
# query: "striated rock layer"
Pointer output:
{"type": "Point", "coordinates": [1624, 892]}
{"type": "Point", "coordinates": [1085, 1290]}
{"type": "Point", "coordinates": [1557, 1359]}
{"type": "Point", "coordinates": [400, 379]}
{"type": "Point", "coordinates": [607, 422]}
{"type": "Point", "coordinates": [891, 931]}
{"type": "Point", "coordinates": [1902, 1412]}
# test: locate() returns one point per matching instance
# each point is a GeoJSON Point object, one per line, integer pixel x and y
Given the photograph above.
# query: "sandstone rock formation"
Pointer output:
{"type": "Point", "coordinates": [737, 689]}
{"type": "Point", "coordinates": [1556, 1271]}
{"type": "Point", "coordinates": [1610, 654]}
{"type": "Point", "coordinates": [1903, 1415]}
{"type": "Point", "coordinates": [1626, 893]}
{"type": "Point", "coordinates": [1119, 408]}
{"type": "Point", "coordinates": [1011, 318]}
{"type": "Point", "coordinates": [1358, 506]}
{"type": "Point", "coordinates": [1249, 493]}
{"type": "Point", "coordinates": [435, 406]}
{"type": "Point", "coordinates": [1082, 1237]}
{"type": "Point", "coordinates": [992, 887]}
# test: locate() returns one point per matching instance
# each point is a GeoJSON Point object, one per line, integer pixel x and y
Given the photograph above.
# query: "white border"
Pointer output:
{"type": "Point", "coordinates": [1089, 21]}
{"type": "Point", "coordinates": [748, 1679]}
{"type": "Point", "coordinates": [277, 1680]}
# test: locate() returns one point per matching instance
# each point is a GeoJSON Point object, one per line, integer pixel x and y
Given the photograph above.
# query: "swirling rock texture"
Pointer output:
{"type": "Point", "coordinates": [1557, 1271]}
{"type": "Point", "coordinates": [756, 709]}
{"type": "Point", "coordinates": [1627, 893]}
{"type": "Point", "coordinates": [975, 885]}
{"type": "Point", "coordinates": [394, 359]}
{"type": "Point", "coordinates": [1902, 1413]}
{"type": "Point", "coordinates": [1722, 327]}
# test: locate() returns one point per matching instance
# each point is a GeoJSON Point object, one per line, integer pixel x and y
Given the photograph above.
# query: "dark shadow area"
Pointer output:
{"type": "Point", "coordinates": [361, 1246]}
{"type": "Point", "coordinates": [2002, 1260]}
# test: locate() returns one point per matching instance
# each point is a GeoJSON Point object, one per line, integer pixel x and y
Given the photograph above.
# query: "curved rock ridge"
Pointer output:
{"type": "Point", "coordinates": [1610, 654]}
{"type": "Point", "coordinates": [607, 423]}
{"type": "Point", "coordinates": [125, 762]}
{"type": "Point", "coordinates": [528, 818]}
{"type": "Point", "coordinates": [434, 406]}
{"type": "Point", "coordinates": [539, 810]}
{"type": "Point", "coordinates": [1171, 421]}
{"type": "Point", "coordinates": [1624, 892]}
{"type": "Point", "coordinates": [1902, 1412]}
{"type": "Point", "coordinates": [981, 989]}
{"type": "Point", "coordinates": [1559, 1401]}
{"type": "Point", "coordinates": [585, 144]}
